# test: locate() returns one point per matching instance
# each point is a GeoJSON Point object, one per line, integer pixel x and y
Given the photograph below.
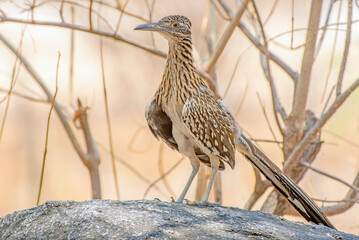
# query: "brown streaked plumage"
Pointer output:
{"type": "Point", "coordinates": [186, 115]}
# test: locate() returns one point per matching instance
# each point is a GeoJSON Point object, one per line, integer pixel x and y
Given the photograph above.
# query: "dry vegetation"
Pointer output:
{"type": "Point", "coordinates": [287, 69]}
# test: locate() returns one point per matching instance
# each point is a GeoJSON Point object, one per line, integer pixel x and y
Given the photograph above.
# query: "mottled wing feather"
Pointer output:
{"type": "Point", "coordinates": [161, 127]}
{"type": "Point", "coordinates": [210, 126]}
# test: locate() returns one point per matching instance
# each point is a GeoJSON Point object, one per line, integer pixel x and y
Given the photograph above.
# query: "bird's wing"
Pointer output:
{"type": "Point", "coordinates": [210, 126]}
{"type": "Point", "coordinates": [160, 124]}
{"type": "Point", "coordinates": [295, 195]}
{"type": "Point", "coordinates": [161, 127]}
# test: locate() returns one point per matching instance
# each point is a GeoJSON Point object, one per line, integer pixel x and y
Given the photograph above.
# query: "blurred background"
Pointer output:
{"type": "Point", "coordinates": [132, 76]}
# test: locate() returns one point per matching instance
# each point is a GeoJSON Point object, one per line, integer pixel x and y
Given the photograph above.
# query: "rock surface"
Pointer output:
{"type": "Point", "coordinates": [109, 219]}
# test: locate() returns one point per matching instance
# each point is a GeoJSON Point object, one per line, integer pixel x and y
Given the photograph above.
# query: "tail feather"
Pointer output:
{"type": "Point", "coordinates": [295, 195]}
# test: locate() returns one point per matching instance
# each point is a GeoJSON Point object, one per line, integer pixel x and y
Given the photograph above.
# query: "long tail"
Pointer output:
{"type": "Point", "coordinates": [295, 195]}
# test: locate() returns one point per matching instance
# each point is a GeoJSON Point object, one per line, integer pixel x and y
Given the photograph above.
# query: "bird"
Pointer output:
{"type": "Point", "coordinates": [186, 115]}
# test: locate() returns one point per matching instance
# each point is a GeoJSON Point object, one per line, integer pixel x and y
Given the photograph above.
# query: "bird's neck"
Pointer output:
{"type": "Point", "coordinates": [180, 78]}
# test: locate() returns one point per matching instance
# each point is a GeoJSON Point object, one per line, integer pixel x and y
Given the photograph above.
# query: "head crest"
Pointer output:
{"type": "Point", "coordinates": [178, 18]}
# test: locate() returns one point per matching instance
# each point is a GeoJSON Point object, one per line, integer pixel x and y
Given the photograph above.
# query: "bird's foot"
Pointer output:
{"type": "Point", "coordinates": [202, 203]}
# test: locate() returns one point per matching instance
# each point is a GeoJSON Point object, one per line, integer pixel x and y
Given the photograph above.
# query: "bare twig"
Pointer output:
{"type": "Point", "coordinates": [354, 144]}
{"type": "Point", "coordinates": [233, 74]}
{"type": "Point", "coordinates": [133, 139]}
{"type": "Point", "coordinates": [343, 206]}
{"type": "Point", "coordinates": [131, 168]}
{"type": "Point", "coordinates": [92, 159]}
{"type": "Point", "coordinates": [225, 37]}
{"type": "Point", "coordinates": [293, 75]}
{"type": "Point", "coordinates": [62, 10]}
{"type": "Point", "coordinates": [260, 187]}
{"type": "Point", "coordinates": [80, 28]}
{"type": "Point", "coordinates": [308, 165]}
{"type": "Point", "coordinates": [109, 123]}
{"type": "Point", "coordinates": [72, 52]}
{"type": "Point", "coordinates": [8, 98]}
{"type": "Point", "coordinates": [22, 95]}
{"type": "Point", "coordinates": [267, 120]}
{"type": "Point", "coordinates": [271, 12]}
{"type": "Point", "coordinates": [121, 15]}
{"type": "Point", "coordinates": [277, 106]}
{"type": "Point", "coordinates": [321, 39]}
{"type": "Point", "coordinates": [47, 131]}
{"type": "Point", "coordinates": [327, 102]}
{"type": "Point", "coordinates": [346, 48]}
{"type": "Point", "coordinates": [161, 177]}
{"type": "Point", "coordinates": [219, 11]}
{"type": "Point", "coordinates": [332, 52]}
{"type": "Point", "coordinates": [90, 15]}
{"type": "Point", "coordinates": [241, 102]}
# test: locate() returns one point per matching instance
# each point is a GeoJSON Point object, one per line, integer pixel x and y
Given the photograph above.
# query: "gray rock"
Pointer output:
{"type": "Point", "coordinates": [108, 219]}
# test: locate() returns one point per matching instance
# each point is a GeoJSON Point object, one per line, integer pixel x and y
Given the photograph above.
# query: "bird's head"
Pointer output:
{"type": "Point", "coordinates": [173, 27]}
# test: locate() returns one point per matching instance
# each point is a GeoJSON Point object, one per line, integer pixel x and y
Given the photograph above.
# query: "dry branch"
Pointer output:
{"type": "Point", "coordinates": [346, 48]}
{"type": "Point", "coordinates": [92, 159]}
{"type": "Point", "coordinates": [47, 131]}
{"type": "Point", "coordinates": [208, 67]}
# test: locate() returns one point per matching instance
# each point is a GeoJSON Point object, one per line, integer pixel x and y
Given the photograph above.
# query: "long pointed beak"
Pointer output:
{"type": "Point", "coordinates": [148, 27]}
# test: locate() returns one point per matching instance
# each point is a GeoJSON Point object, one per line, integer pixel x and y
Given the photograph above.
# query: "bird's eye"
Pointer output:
{"type": "Point", "coordinates": [175, 25]}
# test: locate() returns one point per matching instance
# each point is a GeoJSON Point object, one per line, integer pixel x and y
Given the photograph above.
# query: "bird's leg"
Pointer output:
{"type": "Point", "coordinates": [214, 166]}
{"type": "Point", "coordinates": [195, 167]}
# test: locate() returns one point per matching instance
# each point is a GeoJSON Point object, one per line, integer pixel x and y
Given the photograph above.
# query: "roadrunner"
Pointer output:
{"type": "Point", "coordinates": [185, 114]}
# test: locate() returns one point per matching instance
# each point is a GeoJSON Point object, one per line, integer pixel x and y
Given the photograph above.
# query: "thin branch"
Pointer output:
{"type": "Point", "coordinates": [259, 189]}
{"type": "Point", "coordinates": [321, 39]}
{"type": "Point", "coordinates": [80, 28]}
{"type": "Point", "coordinates": [308, 165]}
{"type": "Point", "coordinates": [271, 12]}
{"type": "Point", "coordinates": [233, 74]}
{"type": "Point", "coordinates": [277, 106]}
{"type": "Point", "coordinates": [92, 159]}
{"type": "Point", "coordinates": [291, 73]}
{"type": "Point", "coordinates": [354, 144]}
{"type": "Point", "coordinates": [133, 139]}
{"type": "Point", "coordinates": [90, 15]}
{"type": "Point", "coordinates": [335, 201]}
{"type": "Point", "coordinates": [327, 102]}
{"type": "Point", "coordinates": [345, 205]}
{"type": "Point", "coordinates": [292, 26]}
{"type": "Point", "coordinates": [225, 37]}
{"type": "Point", "coordinates": [72, 58]}
{"type": "Point", "coordinates": [47, 130]}
{"type": "Point", "coordinates": [332, 52]}
{"type": "Point", "coordinates": [109, 122]}
{"type": "Point", "coordinates": [267, 120]}
{"type": "Point", "coordinates": [161, 177]}
{"type": "Point", "coordinates": [131, 168]}
{"type": "Point", "coordinates": [22, 95]}
{"type": "Point", "coordinates": [219, 11]}
{"type": "Point", "coordinates": [241, 101]}
{"type": "Point", "coordinates": [121, 15]}
{"type": "Point", "coordinates": [346, 48]}
{"type": "Point", "coordinates": [8, 96]}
